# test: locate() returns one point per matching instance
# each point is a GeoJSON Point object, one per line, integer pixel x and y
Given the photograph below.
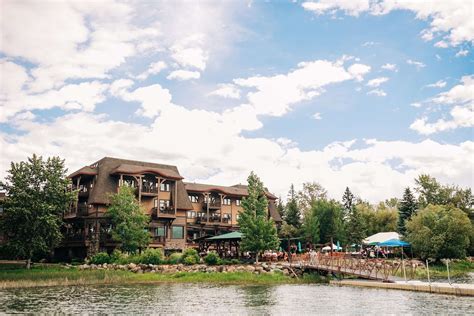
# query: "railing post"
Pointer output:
{"type": "Point", "coordinates": [428, 271]}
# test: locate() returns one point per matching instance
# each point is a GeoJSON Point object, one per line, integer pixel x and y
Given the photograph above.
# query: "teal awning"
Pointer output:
{"type": "Point", "coordinates": [228, 236]}
{"type": "Point", "coordinates": [394, 243]}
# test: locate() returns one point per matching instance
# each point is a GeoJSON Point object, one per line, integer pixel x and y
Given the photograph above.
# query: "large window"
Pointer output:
{"type": "Point", "coordinates": [177, 232]}
{"type": "Point", "coordinates": [160, 232]}
{"type": "Point", "coordinates": [237, 202]}
{"type": "Point", "coordinates": [191, 214]}
{"type": "Point", "coordinates": [226, 201]}
{"type": "Point", "coordinates": [193, 198]}
{"type": "Point", "coordinates": [165, 187]}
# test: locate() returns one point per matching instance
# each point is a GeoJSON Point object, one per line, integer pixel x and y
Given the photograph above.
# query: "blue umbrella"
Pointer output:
{"type": "Point", "coordinates": [299, 246]}
{"type": "Point", "coordinates": [338, 245]}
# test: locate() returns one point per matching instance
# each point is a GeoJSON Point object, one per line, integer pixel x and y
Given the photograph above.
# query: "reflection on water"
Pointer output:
{"type": "Point", "coordinates": [218, 300]}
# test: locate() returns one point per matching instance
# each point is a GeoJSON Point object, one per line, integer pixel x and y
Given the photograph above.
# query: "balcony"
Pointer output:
{"type": "Point", "coordinates": [213, 204]}
{"type": "Point", "coordinates": [82, 210]}
{"type": "Point", "coordinates": [149, 188]}
{"type": "Point", "coordinates": [82, 190]}
{"type": "Point", "coordinates": [214, 219]}
{"type": "Point", "coordinates": [165, 213]}
{"type": "Point", "coordinates": [157, 240]}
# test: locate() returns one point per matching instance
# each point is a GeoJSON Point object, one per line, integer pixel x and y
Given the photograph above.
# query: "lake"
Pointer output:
{"type": "Point", "coordinates": [208, 299]}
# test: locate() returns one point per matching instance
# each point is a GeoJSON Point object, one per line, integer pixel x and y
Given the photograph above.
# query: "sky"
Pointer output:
{"type": "Point", "coordinates": [364, 94]}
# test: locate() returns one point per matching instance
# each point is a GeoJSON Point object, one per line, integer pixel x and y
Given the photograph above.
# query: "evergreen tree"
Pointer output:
{"type": "Point", "coordinates": [293, 215]}
{"type": "Point", "coordinates": [129, 222]}
{"type": "Point", "coordinates": [354, 222]}
{"type": "Point", "coordinates": [348, 201]}
{"type": "Point", "coordinates": [325, 217]}
{"type": "Point", "coordinates": [37, 196]}
{"type": "Point", "coordinates": [406, 209]}
{"type": "Point", "coordinates": [258, 230]}
{"type": "Point", "coordinates": [281, 208]}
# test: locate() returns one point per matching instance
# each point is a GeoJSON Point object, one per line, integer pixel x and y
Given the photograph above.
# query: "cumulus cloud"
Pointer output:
{"type": "Point", "coordinates": [224, 90]}
{"type": "Point", "coordinates": [462, 53]}
{"type": "Point", "coordinates": [183, 75]}
{"type": "Point", "coordinates": [317, 116]}
{"type": "Point", "coordinates": [153, 69]}
{"type": "Point", "coordinates": [417, 64]}
{"type": "Point", "coordinates": [450, 20]}
{"type": "Point", "coordinates": [376, 82]}
{"type": "Point", "coordinates": [437, 84]}
{"type": "Point", "coordinates": [391, 67]}
{"type": "Point", "coordinates": [377, 92]}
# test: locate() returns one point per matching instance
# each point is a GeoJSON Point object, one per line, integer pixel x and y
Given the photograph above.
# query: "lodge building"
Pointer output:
{"type": "Point", "coordinates": [180, 213]}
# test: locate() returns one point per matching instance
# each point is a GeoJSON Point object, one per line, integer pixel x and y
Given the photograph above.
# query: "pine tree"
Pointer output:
{"type": "Point", "coordinates": [293, 215]}
{"type": "Point", "coordinates": [354, 223]}
{"type": "Point", "coordinates": [281, 208]}
{"type": "Point", "coordinates": [406, 209]}
{"type": "Point", "coordinates": [348, 201]}
{"type": "Point", "coordinates": [258, 230]}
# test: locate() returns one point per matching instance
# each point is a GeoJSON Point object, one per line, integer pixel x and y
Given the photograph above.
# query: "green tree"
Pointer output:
{"type": "Point", "coordinates": [258, 230]}
{"type": "Point", "coordinates": [328, 213]}
{"type": "Point", "coordinates": [293, 215]}
{"type": "Point", "coordinates": [311, 226]}
{"type": "Point", "coordinates": [348, 201]}
{"type": "Point", "coordinates": [129, 222]}
{"type": "Point", "coordinates": [281, 208]}
{"type": "Point", "coordinates": [310, 193]}
{"type": "Point", "coordinates": [439, 231]}
{"type": "Point", "coordinates": [37, 196]}
{"type": "Point", "coordinates": [406, 210]}
{"type": "Point", "coordinates": [385, 218]}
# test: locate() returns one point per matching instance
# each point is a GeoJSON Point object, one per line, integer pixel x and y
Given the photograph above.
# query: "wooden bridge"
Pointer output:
{"type": "Point", "coordinates": [372, 269]}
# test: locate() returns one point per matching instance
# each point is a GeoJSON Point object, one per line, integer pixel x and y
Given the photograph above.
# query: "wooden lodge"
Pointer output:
{"type": "Point", "coordinates": [180, 213]}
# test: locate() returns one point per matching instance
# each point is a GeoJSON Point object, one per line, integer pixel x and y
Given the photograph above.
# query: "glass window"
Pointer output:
{"type": "Point", "coordinates": [160, 232]}
{"type": "Point", "coordinates": [193, 198]}
{"type": "Point", "coordinates": [237, 217]}
{"type": "Point", "coordinates": [164, 204]}
{"type": "Point", "coordinates": [155, 203]}
{"type": "Point", "coordinates": [226, 201]}
{"type": "Point", "coordinates": [237, 202]}
{"type": "Point", "coordinates": [165, 187]}
{"type": "Point", "coordinates": [177, 232]}
{"type": "Point", "coordinates": [191, 214]}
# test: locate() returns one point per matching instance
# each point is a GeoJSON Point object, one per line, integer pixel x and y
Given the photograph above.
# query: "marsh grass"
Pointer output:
{"type": "Point", "coordinates": [59, 276]}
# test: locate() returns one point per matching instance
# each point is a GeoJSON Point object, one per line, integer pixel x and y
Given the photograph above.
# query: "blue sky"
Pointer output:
{"type": "Point", "coordinates": [366, 94]}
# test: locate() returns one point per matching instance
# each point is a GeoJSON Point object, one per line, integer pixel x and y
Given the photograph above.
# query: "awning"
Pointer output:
{"type": "Point", "coordinates": [394, 243]}
{"type": "Point", "coordinates": [228, 236]}
{"type": "Point", "coordinates": [380, 237]}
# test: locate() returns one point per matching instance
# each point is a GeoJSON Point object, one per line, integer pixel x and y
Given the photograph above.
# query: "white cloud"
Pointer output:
{"type": "Point", "coordinates": [183, 75]}
{"type": "Point", "coordinates": [437, 84]}
{"type": "Point", "coordinates": [229, 91]}
{"type": "Point", "coordinates": [416, 104]}
{"type": "Point", "coordinates": [370, 43]}
{"type": "Point", "coordinates": [461, 97]}
{"type": "Point", "coordinates": [462, 53]}
{"type": "Point", "coordinates": [188, 52]}
{"type": "Point", "coordinates": [275, 95]}
{"type": "Point", "coordinates": [377, 82]}
{"type": "Point", "coordinates": [153, 69]}
{"type": "Point", "coordinates": [450, 20]}
{"type": "Point", "coordinates": [391, 67]}
{"type": "Point", "coordinates": [377, 92]}
{"type": "Point", "coordinates": [417, 64]}
{"type": "Point", "coordinates": [358, 71]}
{"type": "Point", "coordinates": [460, 117]}
{"type": "Point", "coordinates": [317, 116]}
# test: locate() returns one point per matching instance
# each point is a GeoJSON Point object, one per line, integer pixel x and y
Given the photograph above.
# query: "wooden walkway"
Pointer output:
{"type": "Point", "coordinates": [370, 269]}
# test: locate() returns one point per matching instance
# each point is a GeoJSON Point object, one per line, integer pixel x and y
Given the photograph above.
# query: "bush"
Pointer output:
{"type": "Point", "coordinates": [191, 253]}
{"type": "Point", "coordinates": [175, 258]}
{"type": "Point", "coordinates": [189, 260]}
{"type": "Point", "coordinates": [212, 258]}
{"type": "Point", "coordinates": [118, 257]}
{"type": "Point", "coordinates": [151, 256]}
{"type": "Point", "coordinates": [100, 258]}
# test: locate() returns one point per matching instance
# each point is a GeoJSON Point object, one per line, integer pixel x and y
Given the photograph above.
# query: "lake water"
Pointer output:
{"type": "Point", "coordinates": [207, 299]}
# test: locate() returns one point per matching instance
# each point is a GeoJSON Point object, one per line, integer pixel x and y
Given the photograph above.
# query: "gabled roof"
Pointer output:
{"type": "Point", "coordinates": [235, 190]}
{"type": "Point", "coordinates": [107, 182]}
{"type": "Point", "coordinates": [134, 169]}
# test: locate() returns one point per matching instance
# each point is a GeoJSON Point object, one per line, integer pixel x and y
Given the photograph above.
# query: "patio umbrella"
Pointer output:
{"type": "Point", "coordinates": [299, 246]}
{"type": "Point", "coordinates": [394, 243]}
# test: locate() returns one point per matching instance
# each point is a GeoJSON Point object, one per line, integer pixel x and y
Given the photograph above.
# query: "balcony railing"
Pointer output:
{"type": "Point", "coordinates": [165, 212]}
{"type": "Point", "coordinates": [212, 204]}
{"type": "Point", "coordinates": [82, 210]}
{"type": "Point", "coordinates": [157, 239]}
{"type": "Point", "coordinates": [150, 188]}
{"type": "Point", "coordinates": [213, 218]}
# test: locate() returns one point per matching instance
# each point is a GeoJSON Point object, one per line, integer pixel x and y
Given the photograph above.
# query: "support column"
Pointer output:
{"type": "Point", "coordinates": [208, 198]}
{"type": "Point", "coordinates": [175, 197]}
{"type": "Point", "coordinates": [77, 196]}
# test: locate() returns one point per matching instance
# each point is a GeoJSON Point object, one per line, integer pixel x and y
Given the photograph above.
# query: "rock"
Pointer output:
{"type": "Point", "coordinates": [250, 268]}
{"type": "Point", "coordinates": [132, 266]}
{"type": "Point", "coordinates": [286, 272]}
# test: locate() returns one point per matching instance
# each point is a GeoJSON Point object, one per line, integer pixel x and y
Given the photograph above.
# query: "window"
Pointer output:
{"type": "Point", "coordinates": [165, 187]}
{"type": "Point", "coordinates": [164, 204]}
{"type": "Point", "coordinates": [177, 232]}
{"type": "Point", "coordinates": [226, 201]}
{"type": "Point", "coordinates": [160, 232]}
{"type": "Point", "coordinates": [193, 198]}
{"type": "Point", "coordinates": [155, 203]}
{"type": "Point", "coordinates": [237, 202]}
{"type": "Point", "coordinates": [237, 217]}
{"type": "Point", "coordinates": [191, 214]}
{"type": "Point", "coordinates": [226, 217]}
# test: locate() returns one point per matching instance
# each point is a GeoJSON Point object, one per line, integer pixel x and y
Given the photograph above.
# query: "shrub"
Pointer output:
{"type": "Point", "coordinates": [189, 260]}
{"type": "Point", "coordinates": [151, 256]}
{"type": "Point", "coordinates": [212, 258]}
{"type": "Point", "coordinates": [118, 257]}
{"type": "Point", "coordinates": [100, 258]}
{"type": "Point", "coordinates": [191, 253]}
{"type": "Point", "coordinates": [175, 258]}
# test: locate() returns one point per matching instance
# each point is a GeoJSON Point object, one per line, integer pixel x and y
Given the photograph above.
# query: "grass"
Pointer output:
{"type": "Point", "coordinates": [57, 276]}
